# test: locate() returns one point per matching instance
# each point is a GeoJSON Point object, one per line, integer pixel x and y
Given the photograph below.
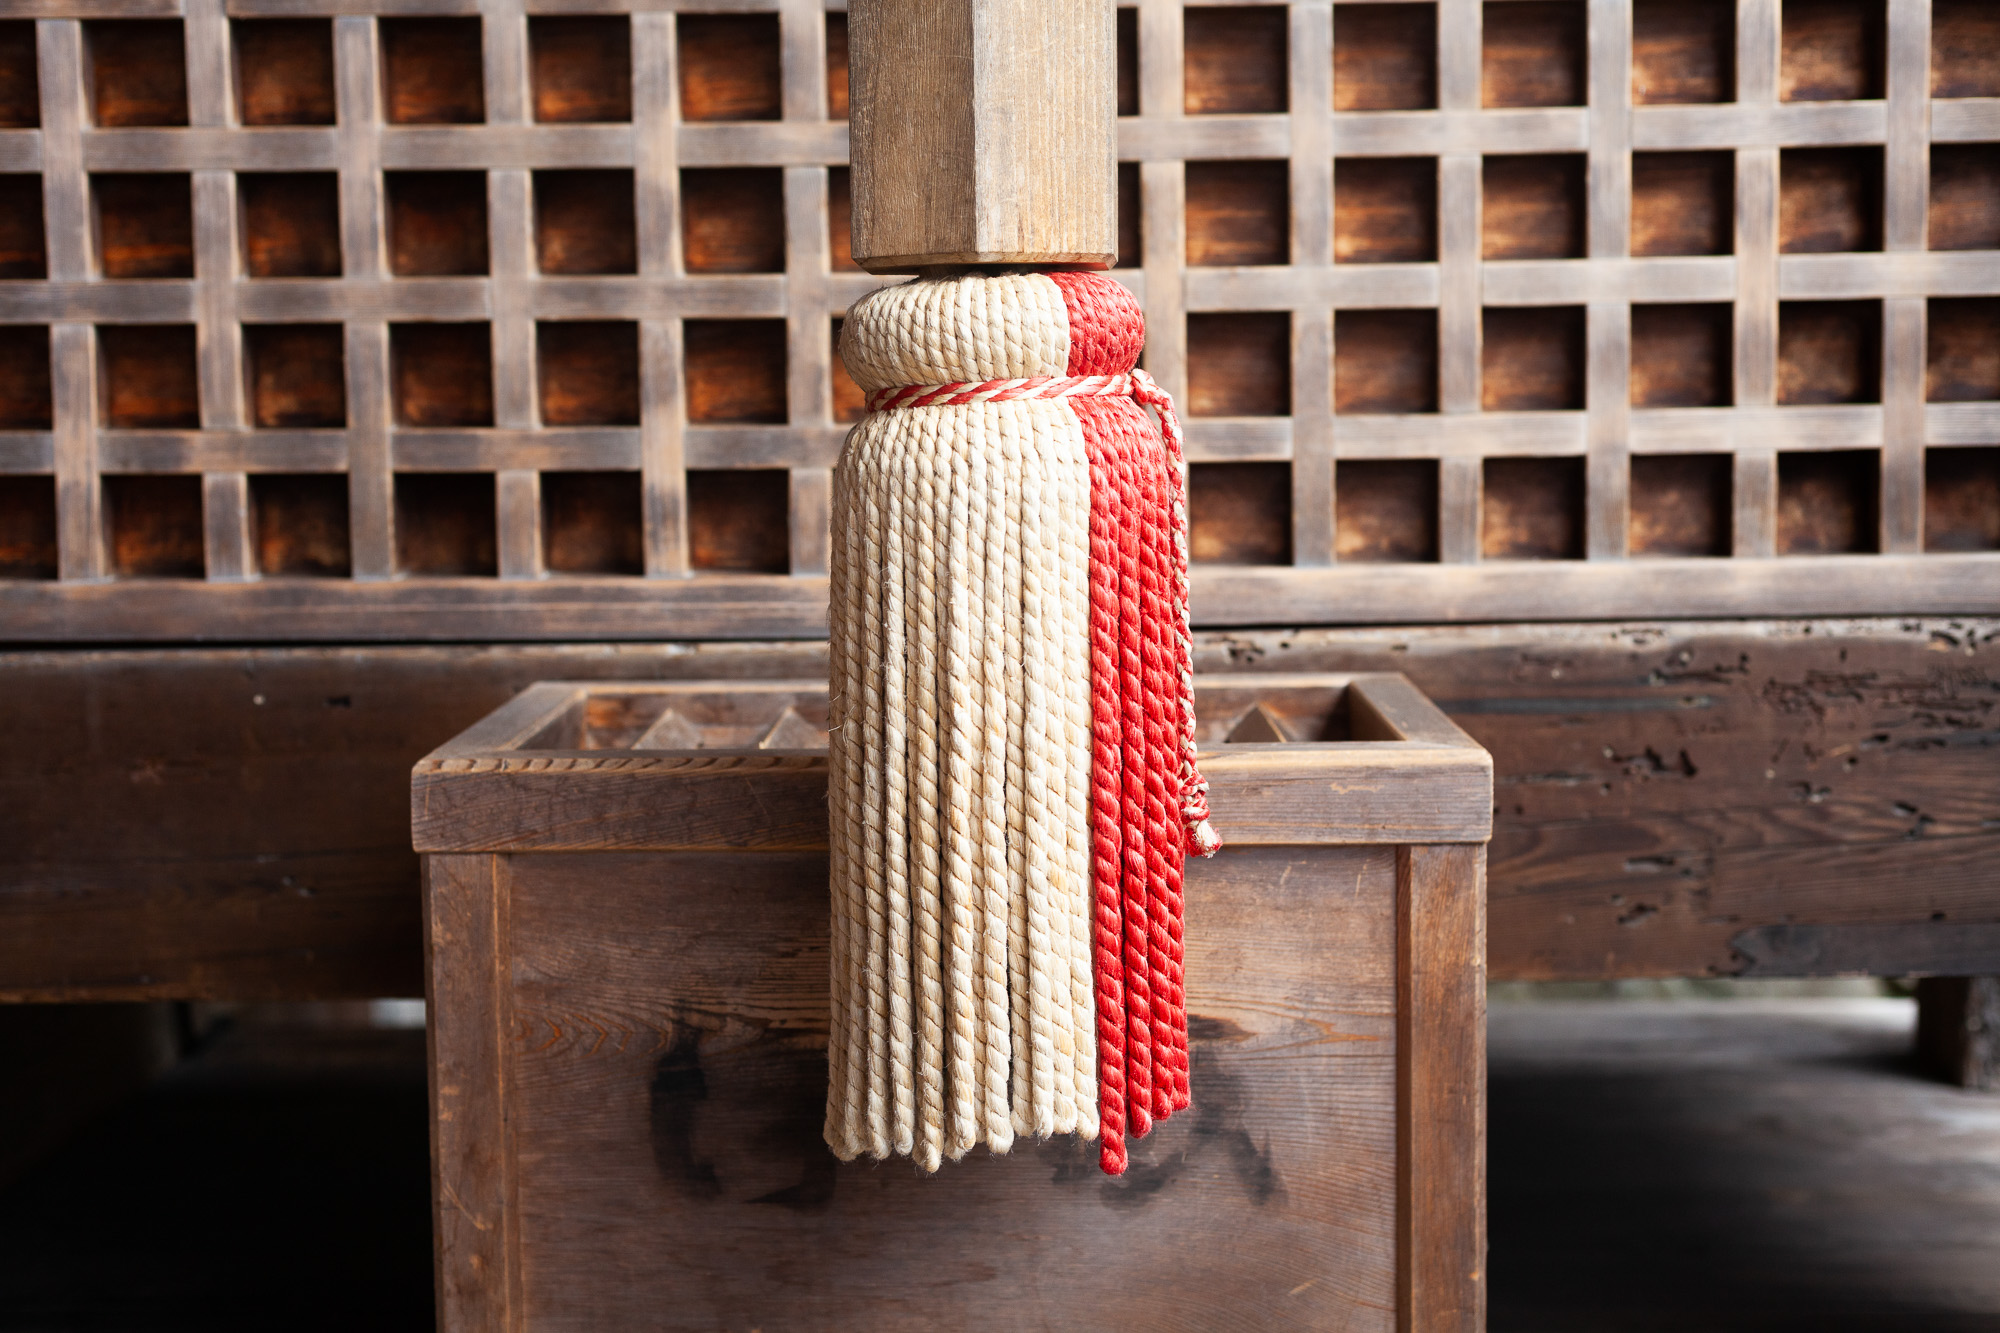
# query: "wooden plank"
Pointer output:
{"type": "Point", "coordinates": [1608, 323]}
{"type": "Point", "coordinates": [1310, 104]}
{"type": "Point", "coordinates": [753, 606]}
{"type": "Point", "coordinates": [1925, 948]}
{"type": "Point", "coordinates": [972, 146]}
{"type": "Point", "coordinates": [1441, 1088]}
{"type": "Point", "coordinates": [194, 843]}
{"type": "Point", "coordinates": [79, 496]}
{"type": "Point", "coordinates": [568, 800]}
{"type": "Point", "coordinates": [236, 825]}
{"type": "Point", "coordinates": [668, 1077]}
{"type": "Point", "coordinates": [473, 1206]}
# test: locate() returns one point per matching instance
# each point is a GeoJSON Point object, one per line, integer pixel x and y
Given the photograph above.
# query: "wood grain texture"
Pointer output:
{"type": "Point", "coordinates": [1682, 203]}
{"type": "Point", "coordinates": [707, 1074]}
{"type": "Point", "coordinates": [1386, 509]}
{"type": "Point", "coordinates": [1384, 57]}
{"type": "Point", "coordinates": [1533, 207]}
{"type": "Point", "coordinates": [290, 224]}
{"type": "Point", "coordinates": [1534, 54]}
{"type": "Point", "coordinates": [432, 72]}
{"type": "Point", "coordinates": [1833, 50]}
{"type": "Point", "coordinates": [970, 146]}
{"type": "Point", "coordinates": [1532, 359]}
{"type": "Point", "coordinates": [1962, 362]}
{"type": "Point", "coordinates": [297, 375]}
{"type": "Point", "coordinates": [144, 224]}
{"type": "Point", "coordinates": [1965, 49]}
{"type": "Point", "coordinates": [1441, 1087]}
{"type": "Point", "coordinates": [1385, 210]}
{"type": "Point", "coordinates": [574, 786]}
{"type": "Point", "coordinates": [138, 71]}
{"type": "Point", "coordinates": [1828, 503]}
{"type": "Point", "coordinates": [1238, 213]}
{"type": "Point", "coordinates": [587, 372]}
{"type": "Point", "coordinates": [1532, 509]}
{"type": "Point", "coordinates": [300, 525]}
{"type": "Point", "coordinates": [1683, 51]}
{"type": "Point", "coordinates": [1681, 356]}
{"type": "Point", "coordinates": [1829, 199]}
{"type": "Point", "coordinates": [1240, 513]}
{"type": "Point", "coordinates": [585, 222]}
{"type": "Point", "coordinates": [1385, 361]}
{"type": "Point", "coordinates": [580, 67]}
{"type": "Point", "coordinates": [1962, 500]}
{"type": "Point", "coordinates": [148, 375]}
{"type": "Point", "coordinates": [475, 1220]}
{"type": "Point", "coordinates": [262, 850]}
{"type": "Point", "coordinates": [1681, 505]}
{"type": "Point", "coordinates": [729, 67]}
{"type": "Point", "coordinates": [1235, 59]}
{"type": "Point", "coordinates": [284, 71]}
{"type": "Point", "coordinates": [1830, 352]}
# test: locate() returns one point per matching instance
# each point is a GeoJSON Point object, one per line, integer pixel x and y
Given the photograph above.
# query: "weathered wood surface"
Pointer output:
{"type": "Point", "coordinates": [1348, 760]}
{"type": "Point", "coordinates": [236, 824]}
{"type": "Point", "coordinates": [973, 142]}
{"type": "Point", "coordinates": [1359, 234]}
{"type": "Point", "coordinates": [662, 1073]}
{"type": "Point", "coordinates": [1661, 789]}
{"type": "Point", "coordinates": [168, 836]}
{"type": "Point", "coordinates": [1441, 1084]}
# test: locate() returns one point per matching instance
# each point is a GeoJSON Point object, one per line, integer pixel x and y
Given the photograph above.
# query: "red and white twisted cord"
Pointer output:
{"type": "Point", "coordinates": [1200, 835]}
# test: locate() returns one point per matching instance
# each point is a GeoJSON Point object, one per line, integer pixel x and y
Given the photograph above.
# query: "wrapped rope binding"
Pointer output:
{"type": "Point", "coordinates": [1013, 788]}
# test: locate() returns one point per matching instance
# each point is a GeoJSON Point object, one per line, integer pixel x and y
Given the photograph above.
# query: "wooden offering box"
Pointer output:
{"type": "Point", "coordinates": [627, 921]}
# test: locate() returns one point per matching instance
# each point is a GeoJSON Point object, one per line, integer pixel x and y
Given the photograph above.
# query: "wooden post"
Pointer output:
{"type": "Point", "coordinates": [1958, 1029]}
{"type": "Point", "coordinates": [984, 132]}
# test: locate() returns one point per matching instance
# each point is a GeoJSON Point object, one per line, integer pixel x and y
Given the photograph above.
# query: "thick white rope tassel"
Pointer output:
{"type": "Point", "coordinates": [976, 974]}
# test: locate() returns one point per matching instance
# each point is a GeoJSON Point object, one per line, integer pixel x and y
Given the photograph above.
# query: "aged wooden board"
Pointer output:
{"type": "Point", "coordinates": [154, 811]}
{"type": "Point", "coordinates": [236, 824]}
{"type": "Point", "coordinates": [1300, 761]}
{"type": "Point", "coordinates": [662, 1030]}
{"type": "Point", "coordinates": [1660, 789]}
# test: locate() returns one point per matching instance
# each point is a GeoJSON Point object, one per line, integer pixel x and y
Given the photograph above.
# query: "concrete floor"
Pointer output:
{"type": "Point", "coordinates": [1700, 1166]}
{"type": "Point", "coordinates": [1752, 1164]}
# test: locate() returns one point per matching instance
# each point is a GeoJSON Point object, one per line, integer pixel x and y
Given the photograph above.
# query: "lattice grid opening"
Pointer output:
{"type": "Point", "coordinates": [470, 321]}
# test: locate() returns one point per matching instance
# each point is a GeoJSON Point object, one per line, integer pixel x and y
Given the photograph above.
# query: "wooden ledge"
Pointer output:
{"type": "Point", "coordinates": [548, 771]}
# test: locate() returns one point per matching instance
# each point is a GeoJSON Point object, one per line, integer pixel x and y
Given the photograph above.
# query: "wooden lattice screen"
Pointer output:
{"type": "Point", "coordinates": [464, 321]}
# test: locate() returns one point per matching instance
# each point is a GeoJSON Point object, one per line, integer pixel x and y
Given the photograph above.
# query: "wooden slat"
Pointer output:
{"type": "Point", "coordinates": [284, 870]}
{"type": "Point", "coordinates": [1394, 791]}
{"type": "Point", "coordinates": [1906, 192]}
{"type": "Point", "coordinates": [476, 1222]}
{"type": "Point", "coordinates": [1608, 323]}
{"type": "Point", "coordinates": [1310, 103]}
{"type": "Point", "coordinates": [1441, 1087]}
{"type": "Point", "coordinates": [719, 606]}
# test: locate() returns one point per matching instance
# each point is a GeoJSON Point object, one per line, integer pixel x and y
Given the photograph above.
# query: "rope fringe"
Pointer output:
{"type": "Point", "coordinates": [1014, 780]}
